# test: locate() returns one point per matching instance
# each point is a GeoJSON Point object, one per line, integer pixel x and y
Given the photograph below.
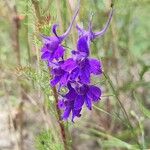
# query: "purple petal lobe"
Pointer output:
{"type": "Point", "coordinates": [55, 80]}
{"type": "Point", "coordinates": [85, 72]}
{"type": "Point", "coordinates": [71, 95]}
{"type": "Point", "coordinates": [64, 79]}
{"type": "Point", "coordinates": [66, 113]}
{"type": "Point", "coordinates": [59, 52]}
{"type": "Point", "coordinates": [69, 65]}
{"type": "Point", "coordinates": [45, 55]}
{"type": "Point", "coordinates": [95, 66]}
{"type": "Point", "coordinates": [74, 74]}
{"type": "Point", "coordinates": [51, 43]}
{"type": "Point", "coordinates": [82, 45]}
{"type": "Point", "coordinates": [85, 76]}
{"type": "Point", "coordinates": [79, 101]}
{"type": "Point", "coordinates": [88, 103]}
{"type": "Point", "coordinates": [54, 29]}
{"type": "Point", "coordinates": [76, 113]}
{"type": "Point", "coordinates": [61, 104]}
{"type": "Point", "coordinates": [94, 93]}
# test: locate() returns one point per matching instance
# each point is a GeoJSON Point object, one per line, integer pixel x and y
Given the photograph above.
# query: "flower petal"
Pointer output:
{"type": "Point", "coordinates": [78, 103]}
{"type": "Point", "coordinates": [45, 56]}
{"type": "Point", "coordinates": [69, 65]}
{"type": "Point", "coordinates": [51, 43]}
{"type": "Point", "coordinates": [85, 72]}
{"type": "Point", "coordinates": [57, 71]}
{"type": "Point", "coordinates": [54, 29]}
{"type": "Point", "coordinates": [59, 52]}
{"type": "Point", "coordinates": [71, 95]}
{"type": "Point", "coordinates": [76, 113]}
{"type": "Point", "coordinates": [55, 80]}
{"type": "Point", "coordinates": [74, 74]}
{"type": "Point", "coordinates": [64, 79]}
{"type": "Point", "coordinates": [94, 93]}
{"type": "Point", "coordinates": [88, 103]}
{"type": "Point", "coordinates": [61, 104]}
{"type": "Point", "coordinates": [82, 45]}
{"type": "Point", "coordinates": [84, 76]}
{"type": "Point", "coordinates": [95, 66]}
{"type": "Point", "coordinates": [66, 113]}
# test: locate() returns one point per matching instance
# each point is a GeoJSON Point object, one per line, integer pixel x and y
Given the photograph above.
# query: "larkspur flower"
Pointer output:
{"type": "Point", "coordinates": [86, 36]}
{"type": "Point", "coordinates": [52, 45]}
{"type": "Point", "coordinates": [81, 67]}
{"type": "Point", "coordinates": [74, 100]}
{"type": "Point", "coordinates": [59, 76]}
{"type": "Point", "coordinates": [75, 72]}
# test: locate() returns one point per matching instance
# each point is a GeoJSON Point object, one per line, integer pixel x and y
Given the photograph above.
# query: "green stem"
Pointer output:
{"type": "Point", "coordinates": [121, 105]}
{"type": "Point", "coordinates": [116, 95]}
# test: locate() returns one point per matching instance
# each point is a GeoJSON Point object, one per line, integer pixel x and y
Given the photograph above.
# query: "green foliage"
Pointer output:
{"type": "Point", "coordinates": [45, 141]}
{"type": "Point", "coordinates": [145, 111]}
{"type": "Point", "coordinates": [113, 142]}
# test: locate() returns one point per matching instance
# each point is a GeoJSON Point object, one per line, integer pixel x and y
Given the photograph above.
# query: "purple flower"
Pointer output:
{"type": "Point", "coordinates": [75, 72]}
{"type": "Point", "coordinates": [85, 37]}
{"type": "Point", "coordinates": [52, 48]}
{"type": "Point", "coordinates": [59, 76]}
{"type": "Point", "coordinates": [92, 35]}
{"type": "Point", "coordinates": [74, 100]}
{"type": "Point", "coordinates": [80, 67]}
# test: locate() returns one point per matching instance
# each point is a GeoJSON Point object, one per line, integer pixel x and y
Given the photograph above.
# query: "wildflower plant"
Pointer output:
{"type": "Point", "coordinates": [74, 73]}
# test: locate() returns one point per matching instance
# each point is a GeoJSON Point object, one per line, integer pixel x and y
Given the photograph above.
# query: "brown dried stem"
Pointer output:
{"type": "Point", "coordinates": [61, 124]}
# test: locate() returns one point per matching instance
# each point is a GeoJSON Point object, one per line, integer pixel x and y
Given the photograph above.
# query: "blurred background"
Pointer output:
{"type": "Point", "coordinates": [28, 117]}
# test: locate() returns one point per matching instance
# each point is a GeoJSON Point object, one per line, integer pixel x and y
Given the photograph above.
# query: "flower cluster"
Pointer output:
{"type": "Point", "coordinates": [74, 73]}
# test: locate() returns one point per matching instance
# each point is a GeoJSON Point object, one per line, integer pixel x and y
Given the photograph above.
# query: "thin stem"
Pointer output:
{"type": "Point", "coordinates": [116, 95]}
{"type": "Point", "coordinates": [61, 124]}
{"type": "Point", "coordinates": [121, 105]}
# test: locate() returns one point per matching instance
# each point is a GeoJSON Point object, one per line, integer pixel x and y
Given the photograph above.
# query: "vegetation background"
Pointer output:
{"type": "Point", "coordinates": [28, 115]}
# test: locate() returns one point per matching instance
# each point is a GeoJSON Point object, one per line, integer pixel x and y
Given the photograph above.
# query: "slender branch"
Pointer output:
{"type": "Point", "coordinates": [116, 95]}
{"type": "Point", "coordinates": [61, 124]}
{"type": "Point", "coordinates": [121, 105]}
